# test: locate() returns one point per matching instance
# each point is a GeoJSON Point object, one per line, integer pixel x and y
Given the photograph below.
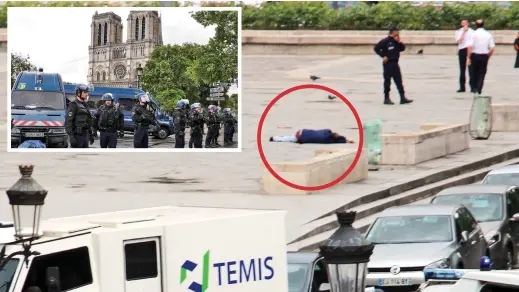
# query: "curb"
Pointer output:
{"type": "Point", "coordinates": [404, 187]}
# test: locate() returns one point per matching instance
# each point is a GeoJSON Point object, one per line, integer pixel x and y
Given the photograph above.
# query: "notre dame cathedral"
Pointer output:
{"type": "Point", "coordinates": [113, 62]}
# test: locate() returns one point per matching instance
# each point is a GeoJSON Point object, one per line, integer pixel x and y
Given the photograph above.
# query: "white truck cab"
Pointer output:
{"type": "Point", "coordinates": [162, 249]}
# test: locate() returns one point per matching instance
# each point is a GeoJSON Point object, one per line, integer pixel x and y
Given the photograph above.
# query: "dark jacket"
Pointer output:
{"type": "Point", "coordinates": [319, 137]}
{"type": "Point", "coordinates": [389, 48]}
{"type": "Point", "coordinates": [516, 47]}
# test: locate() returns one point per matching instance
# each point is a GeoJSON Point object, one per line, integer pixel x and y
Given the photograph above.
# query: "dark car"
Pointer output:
{"type": "Point", "coordinates": [496, 208]}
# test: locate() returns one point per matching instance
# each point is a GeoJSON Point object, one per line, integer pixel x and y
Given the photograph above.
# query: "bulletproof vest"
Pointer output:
{"type": "Point", "coordinates": [196, 119]}
{"type": "Point", "coordinates": [83, 116]}
{"type": "Point", "coordinates": [108, 117]}
{"type": "Point", "coordinates": [145, 113]}
{"type": "Point", "coordinates": [212, 118]}
{"type": "Point", "coordinates": [180, 117]}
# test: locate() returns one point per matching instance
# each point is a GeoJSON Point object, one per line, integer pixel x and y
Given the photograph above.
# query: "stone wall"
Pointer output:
{"type": "Point", "coordinates": [305, 42]}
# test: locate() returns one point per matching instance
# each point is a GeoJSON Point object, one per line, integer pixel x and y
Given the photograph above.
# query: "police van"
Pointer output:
{"type": "Point", "coordinates": [164, 249]}
{"type": "Point", "coordinates": [126, 97]}
{"type": "Point", "coordinates": [38, 109]}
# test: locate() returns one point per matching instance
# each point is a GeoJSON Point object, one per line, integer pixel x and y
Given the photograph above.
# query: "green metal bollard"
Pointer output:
{"type": "Point", "coordinates": [373, 141]}
{"type": "Point", "coordinates": [480, 126]}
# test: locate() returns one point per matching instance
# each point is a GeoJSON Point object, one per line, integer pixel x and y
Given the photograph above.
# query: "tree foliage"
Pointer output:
{"type": "Point", "coordinates": [20, 63]}
{"type": "Point", "coordinates": [186, 71]}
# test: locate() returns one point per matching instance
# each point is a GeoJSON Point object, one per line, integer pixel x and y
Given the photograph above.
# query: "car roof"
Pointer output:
{"type": "Point", "coordinates": [514, 168]}
{"type": "Point", "coordinates": [302, 257]}
{"type": "Point", "coordinates": [475, 189]}
{"type": "Point", "coordinates": [425, 209]}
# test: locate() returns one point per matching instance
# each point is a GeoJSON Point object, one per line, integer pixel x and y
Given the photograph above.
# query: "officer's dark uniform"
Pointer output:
{"type": "Point", "coordinates": [217, 129]}
{"type": "Point", "coordinates": [180, 120]}
{"type": "Point", "coordinates": [390, 48]}
{"type": "Point", "coordinates": [228, 128]}
{"type": "Point", "coordinates": [142, 118]}
{"type": "Point", "coordinates": [212, 122]}
{"type": "Point", "coordinates": [78, 124]}
{"type": "Point", "coordinates": [109, 121]}
{"type": "Point", "coordinates": [197, 124]}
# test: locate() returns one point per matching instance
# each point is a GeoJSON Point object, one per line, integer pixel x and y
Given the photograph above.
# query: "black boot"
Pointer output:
{"type": "Point", "coordinates": [404, 100]}
{"type": "Point", "coordinates": [461, 90]}
{"type": "Point", "coordinates": [387, 100]}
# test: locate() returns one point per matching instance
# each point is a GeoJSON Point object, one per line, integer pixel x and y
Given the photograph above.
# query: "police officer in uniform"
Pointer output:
{"type": "Point", "coordinates": [143, 118]}
{"type": "Point", "coordinates": [110, 122]}
{"type": "Point", "coordinates": [219, 116]}
{"type": "Point", "coordinates": [228, 127]}
{"type": "Point", "coordinates": [196, 120]}
{"type": "Point", "coordinates": [389, 50]}
{"type": "Point", "coordinates": [79, 120]}
{"type": "Point", "coordinates": [212, 122]}
{"type": "Point", "coordinates": [180, 120]}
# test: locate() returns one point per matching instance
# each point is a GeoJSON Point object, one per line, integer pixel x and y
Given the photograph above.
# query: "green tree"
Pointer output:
{"type": "Point", "coordinates": [20, 63]}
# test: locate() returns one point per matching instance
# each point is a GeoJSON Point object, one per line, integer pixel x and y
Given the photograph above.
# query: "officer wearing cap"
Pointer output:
{"type": "Point", "coordinates": [109, 121]}
{"type": "Point", "coordinates": [79, 120]}
{"type": "Point", "coordinates": [389, 50]}
{"type": "Point", "coordinates": [143, 119]}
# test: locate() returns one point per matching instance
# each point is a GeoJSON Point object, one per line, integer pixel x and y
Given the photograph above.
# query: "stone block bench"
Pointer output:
{"type": "Point", "coordinates": [430, 142]}
{"type": "Point", "coordinates": [325, 167]}
{"type": "Point", "coordinates": [505, 117]}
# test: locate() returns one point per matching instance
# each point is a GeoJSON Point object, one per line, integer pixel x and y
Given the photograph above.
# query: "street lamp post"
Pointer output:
{"type": "Point", "coordinates": [26, 198]}
{"type": "Point", "coordinates": [346, 254]}
{"type": "Point", "coordinates": [139, 74]}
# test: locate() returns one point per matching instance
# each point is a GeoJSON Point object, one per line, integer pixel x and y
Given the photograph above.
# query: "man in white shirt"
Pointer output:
{"type": "Point", "coordinates": [463, 36]}
{"type": "Point", "coordinates": [480, 49]}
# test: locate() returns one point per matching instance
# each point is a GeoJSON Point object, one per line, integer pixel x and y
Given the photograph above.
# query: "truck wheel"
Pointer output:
{"type": "Point", "coordinates": [163, 133]}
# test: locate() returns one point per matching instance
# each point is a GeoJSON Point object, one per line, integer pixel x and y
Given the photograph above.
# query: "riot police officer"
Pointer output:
{"type": "Point", "coordinates": [228, 126]}
{"type": "Point", "coordinates": [143, 118]}
{"type": "Point", "coordinates": [109, 120]}
{"type": "Point", "coordinates": [218, 126]}
{"type": "Point", "coordinates": [212, 122]}
{"type": "Point", "coordinates": [196, 120]}
{"type": "Point", "coordinates": [180, 120]}
{"type": "Point", "coordinates": [79, 120]}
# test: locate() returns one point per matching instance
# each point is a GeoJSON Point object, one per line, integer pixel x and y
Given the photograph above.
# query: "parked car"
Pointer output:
{"type": "Point", "coordinates": [496, 209]}
{"type": "Point", "coordinates": [409, 239]}
{"type": "Point", "coordinates": [508, 175]}
{"type": "Point", "coordinates": [306, 272]}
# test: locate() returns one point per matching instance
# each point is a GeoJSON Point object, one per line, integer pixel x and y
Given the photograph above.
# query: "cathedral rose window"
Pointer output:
{"type": "Point", "coordinates": [120, 71]}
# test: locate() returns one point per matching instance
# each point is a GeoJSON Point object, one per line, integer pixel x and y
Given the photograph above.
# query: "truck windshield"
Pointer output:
{"type": "Point", "coordinates": [126, 104]}
{"type": "Point", "coordinates": [32, 100]}
{"type": "Point", "coordinates": [7, 274]}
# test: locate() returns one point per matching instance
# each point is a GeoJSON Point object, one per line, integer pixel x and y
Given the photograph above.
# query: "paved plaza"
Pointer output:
{"type": "Point", "coordinates": [85, 183]}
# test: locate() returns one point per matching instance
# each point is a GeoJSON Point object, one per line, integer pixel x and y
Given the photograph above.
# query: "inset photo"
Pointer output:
{"type": "Point", "coordinates": [156, 78]}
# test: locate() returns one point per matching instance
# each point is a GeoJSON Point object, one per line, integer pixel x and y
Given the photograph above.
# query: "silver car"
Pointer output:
{"type": "Point", "coordinates": [508, 175]}
{"type": "Point", "coordinates": [409, 239]}
{"type": "Point", "coordinates": [496, 208]}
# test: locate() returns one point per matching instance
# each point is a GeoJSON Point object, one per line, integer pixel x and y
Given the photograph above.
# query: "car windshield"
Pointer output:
{"type": "Point", "coordinates": [7, 274]}
{"type": "Point", "coordinates": [297, 276]}
{"type": "Point", "coordinates": [511, 179]}
{"type": "Point", "coordinates": [33, 100]}
{"type": "Point", "coordinates": [411, 229]}
{"type": "Point", "coordinates": [484, 207]}
{"type": "Point", "coordinates": [126, 104]}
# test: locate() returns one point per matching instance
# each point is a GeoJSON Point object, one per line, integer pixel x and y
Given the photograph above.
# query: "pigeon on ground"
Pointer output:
{"type": "Point", "coordinates": [313, 77]}
{"type": "Point", "coordinates": [331, 97]}
{"type": "Point", "coordinates": [420, 52]}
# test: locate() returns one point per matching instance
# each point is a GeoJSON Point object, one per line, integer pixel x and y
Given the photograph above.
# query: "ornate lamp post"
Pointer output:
{"type": "Point", "coordinates": [26, 198]}
{"type": "Point", "coordinates": [139, 74]}
{"type": "Point", "coordinates": [346, 254]}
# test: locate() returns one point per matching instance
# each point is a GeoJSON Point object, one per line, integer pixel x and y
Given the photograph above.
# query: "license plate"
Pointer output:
{"type": "Point", "coordinates": [395, 282]}
{"type": "Point", "coordinates": [34, 134]}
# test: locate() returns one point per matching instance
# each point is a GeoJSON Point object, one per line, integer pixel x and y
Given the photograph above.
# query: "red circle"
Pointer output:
{"type": "Point", "coordinates": [359, 148]}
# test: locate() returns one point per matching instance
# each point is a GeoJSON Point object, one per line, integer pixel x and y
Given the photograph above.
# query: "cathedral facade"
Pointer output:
{"type": "Point", "coordinates": [112, 62]}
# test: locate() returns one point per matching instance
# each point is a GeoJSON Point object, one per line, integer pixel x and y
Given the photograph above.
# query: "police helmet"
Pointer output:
{"type": "Point", "coordinates": [186, 101]}
{"type": "Point", "coordinates": [211, 107]}
{"type": "Point", "coordinates": [83, 88]}
{"type": "Point", "coordinates": [197, 105]}
{"type": "Point", "coordinates": [143, 97]}
{"type": "Point", "coordinates": [107, 96]}
{"type": "Point", "coordinates": [180, 103]}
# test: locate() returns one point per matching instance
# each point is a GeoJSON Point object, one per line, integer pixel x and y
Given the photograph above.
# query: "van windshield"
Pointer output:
{"type": "Point", "coordinates": [126, 104]}
{"type": "Point", "coordinates": [33, 100]}
{"type": "Point", "coordinates": [7, 274]}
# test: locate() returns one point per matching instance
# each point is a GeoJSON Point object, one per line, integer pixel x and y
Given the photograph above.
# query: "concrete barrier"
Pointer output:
{"type": "Point", "coordinates": [430, 142]}
{"type": "Point", "coordinates": [325, 167]}
{"type": "Point", "coordinates": [505, 117]}
{"type": "Point", "coordinates": [358, 42]}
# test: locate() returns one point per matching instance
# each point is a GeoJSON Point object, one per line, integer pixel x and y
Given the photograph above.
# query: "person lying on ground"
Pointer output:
{"type": "Point", "coordinates": [307, 136]}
